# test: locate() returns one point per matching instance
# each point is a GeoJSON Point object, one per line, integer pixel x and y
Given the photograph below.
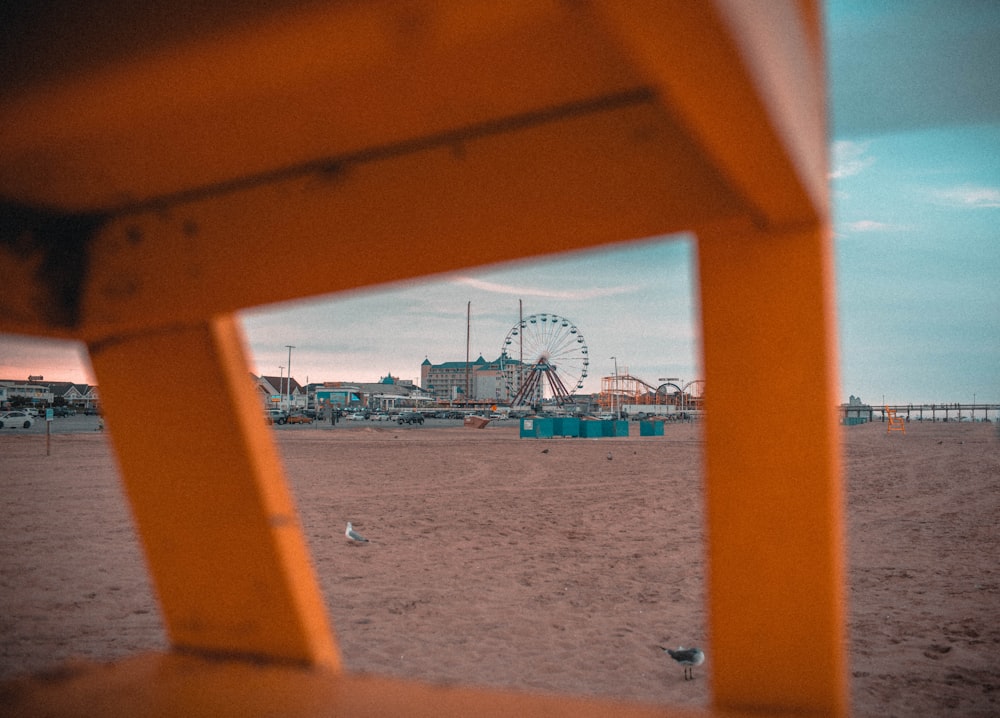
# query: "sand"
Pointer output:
{"type": "Point", "coordinates": [539, 565]}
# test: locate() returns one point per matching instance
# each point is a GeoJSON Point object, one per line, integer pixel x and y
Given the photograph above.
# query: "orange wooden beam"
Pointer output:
{"type": "Point", "coordinates": [773, 485]}
{"type": "Point", "coordinates": [220, 532]}
{"type": "Point", "coordinates": [746, 80]}
{"type": "Point", "coordinates": [188, 685]}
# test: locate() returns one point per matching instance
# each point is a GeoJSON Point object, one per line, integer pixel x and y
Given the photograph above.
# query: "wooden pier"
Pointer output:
{"type": "Point", "coordinates": [925, 412]}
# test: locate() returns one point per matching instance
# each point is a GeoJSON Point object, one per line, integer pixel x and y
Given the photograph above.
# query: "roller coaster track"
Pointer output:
{"type": "Point", "coordinates": [625, 388]}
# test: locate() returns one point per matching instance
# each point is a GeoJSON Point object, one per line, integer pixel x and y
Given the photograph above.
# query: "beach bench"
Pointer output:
{"type": "Point", "coordinates": [896, 423]}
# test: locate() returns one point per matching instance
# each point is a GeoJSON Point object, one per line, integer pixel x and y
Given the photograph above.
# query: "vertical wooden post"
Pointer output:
{"type": "Point", "coordinates": [205, 483]}
{"type": "Point", "coordinates": [773, 485]}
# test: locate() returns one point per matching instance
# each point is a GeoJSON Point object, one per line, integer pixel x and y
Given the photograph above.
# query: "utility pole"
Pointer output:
{"type": "Point", "coordinates": [289, 385]}
{"type": "Point", "coordinates": [614, 389]}
{"type": "Point", "coordinates": [468, 338]}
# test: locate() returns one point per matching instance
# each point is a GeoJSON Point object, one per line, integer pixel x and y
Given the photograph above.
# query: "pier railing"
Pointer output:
{"type": "Point", "coordinates": [925, 412]}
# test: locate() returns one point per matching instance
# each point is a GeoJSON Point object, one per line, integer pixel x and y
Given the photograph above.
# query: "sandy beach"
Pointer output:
{"type": "Point", "coordinates": [539, 565]}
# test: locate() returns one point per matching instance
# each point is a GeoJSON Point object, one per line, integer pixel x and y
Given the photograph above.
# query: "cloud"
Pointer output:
{"type": "Point", "coordinates": [871, 225]}
{"type": "Point", "coordinates": [970, 196]}
{"type": "Point", "coordinates": [849, 159]}
{"type": "Point", "coordinates": [566, 294]}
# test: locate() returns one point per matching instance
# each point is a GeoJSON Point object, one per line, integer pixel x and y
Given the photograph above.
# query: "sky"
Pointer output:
{"type": "Point", "coordinates": [915, 181]}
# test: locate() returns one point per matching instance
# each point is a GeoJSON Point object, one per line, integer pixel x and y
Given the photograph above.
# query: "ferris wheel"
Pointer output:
{"type": "Point", "coordinates": [543, 356]}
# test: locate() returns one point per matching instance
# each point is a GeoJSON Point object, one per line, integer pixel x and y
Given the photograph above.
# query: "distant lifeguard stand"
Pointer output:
{"type": "Point", "coordinates": [163, 170]}
{"type": "Point", "coordinates": [896, 422]}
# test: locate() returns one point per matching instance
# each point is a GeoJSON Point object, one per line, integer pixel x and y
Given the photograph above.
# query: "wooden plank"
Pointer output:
{"type": "Point", "coordinates": [205, 483]}
{"type": "Point", "coordinates": [568, 182]}
{"type": "Point", "coordinates": [747, 80]}
{"type": "Point", "coordinates": [773, 484]}
{"type": "Point", "coordinates": [255, 92]}
{"type": "Point", "coordinates": [183, 685]}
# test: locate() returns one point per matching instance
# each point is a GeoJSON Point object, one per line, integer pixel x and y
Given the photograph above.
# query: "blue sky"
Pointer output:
{"type": "Point", "coordinates": [915, 180]}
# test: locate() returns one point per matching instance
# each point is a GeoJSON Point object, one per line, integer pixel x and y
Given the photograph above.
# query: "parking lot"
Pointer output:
{"type": "Point", "coordinates": [387, 423]}
{"type": "Point", "coordinates": [60, 425]}
{"type": "Point", "coordinates": [80, 423]}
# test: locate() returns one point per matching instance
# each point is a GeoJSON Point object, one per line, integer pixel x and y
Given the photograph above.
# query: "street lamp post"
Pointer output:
{"type": "Point", "coordinates": [281, 382]}
{"type": "Point", "coordinates": [289, 385]}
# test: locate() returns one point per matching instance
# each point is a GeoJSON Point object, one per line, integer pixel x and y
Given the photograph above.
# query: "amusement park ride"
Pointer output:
{"type": "Point", "coordinates": [557, 356]}
{"type": "Point", "coordinates": [624, 389]}
{"type": "Point", "coordinates": [553, 359]}
{"type": "Point", "coordinates": [546, 356]}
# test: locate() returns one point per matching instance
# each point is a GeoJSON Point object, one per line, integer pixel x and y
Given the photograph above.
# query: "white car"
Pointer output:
{"type": "Point", "coordinates": [16, 419]}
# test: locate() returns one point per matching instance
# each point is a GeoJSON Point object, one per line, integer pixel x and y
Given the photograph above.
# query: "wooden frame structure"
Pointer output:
{"type": "Point", "coordinates": [154, 153]}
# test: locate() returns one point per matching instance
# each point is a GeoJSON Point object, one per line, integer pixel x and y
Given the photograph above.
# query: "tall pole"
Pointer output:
{"type": "Point", "coordinates": [520, 336]}
{"type": "Point", "coordinates": [468, 332]}
{"type": "Point", "coordinates": [289, 384]}
{"type": "Point", "coordinates": [614, 388]}
{"type": "Point", "coordinates": [281, 383]}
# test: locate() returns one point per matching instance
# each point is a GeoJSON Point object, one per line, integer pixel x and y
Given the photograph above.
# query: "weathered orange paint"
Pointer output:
{"type": "Point", "coordinates": [217, 522]}
{"type": "Point", "coordinates": [773, 486]}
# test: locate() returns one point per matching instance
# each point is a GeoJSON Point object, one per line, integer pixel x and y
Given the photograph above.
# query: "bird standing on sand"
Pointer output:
{"type": "Point", "coordinates": [687, 657]}
{"type": "Point", "coordinates": [353, 535]}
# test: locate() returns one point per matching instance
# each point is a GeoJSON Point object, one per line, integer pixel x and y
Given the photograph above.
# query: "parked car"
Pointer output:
{"type": "Point", "coordinates": [15, 419]}
{"type": "Point", "coordinates": [356, 416]}
{"type": "Point", "coordinates": [62, 411]}
{"type": "Point", "coordinates": [276, 416]}
{"type": "Point", "coordinates": [298, 419]}
{"type": "Point", "coordinates": [410, 417]}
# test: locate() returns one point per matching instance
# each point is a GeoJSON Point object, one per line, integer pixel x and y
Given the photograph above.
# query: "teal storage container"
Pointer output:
{"type": "Point", "coordinates": [536, 428]}
{"type": "Point", "coordinates": [591, 429]}
{"type": "Point", "coordinates": [650, 428]}
{"type": "Point", "coordinates": [566, 426]}
{"type": "Point", "coordinates": [619, 428]}
{"type": "Point", "coordinates": [544, 428]}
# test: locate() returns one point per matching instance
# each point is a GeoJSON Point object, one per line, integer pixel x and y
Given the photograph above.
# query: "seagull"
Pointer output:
{"type": "Point", "coordinates": [687, 657]}
{"type": "Point", "coordinates": [353, 535]}
{"type": "Point", "coordinates": [609, 456]}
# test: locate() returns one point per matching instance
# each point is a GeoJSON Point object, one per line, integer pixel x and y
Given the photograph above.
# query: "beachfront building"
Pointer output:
{"type": "Point", "coordinates": [280, 392]}
{"type": "Point", "coordinates": [30, 393]}
{"type": "Point", "coordinates": [387, 394]}
{"type": "Point", "coordinates": [476, 382]}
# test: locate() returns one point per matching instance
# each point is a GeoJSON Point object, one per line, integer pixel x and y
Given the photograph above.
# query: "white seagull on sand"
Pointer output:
{"type": "Point", "coordinates": [687, 657]}
{"type": "Point", "coordinates": [353, 535]}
